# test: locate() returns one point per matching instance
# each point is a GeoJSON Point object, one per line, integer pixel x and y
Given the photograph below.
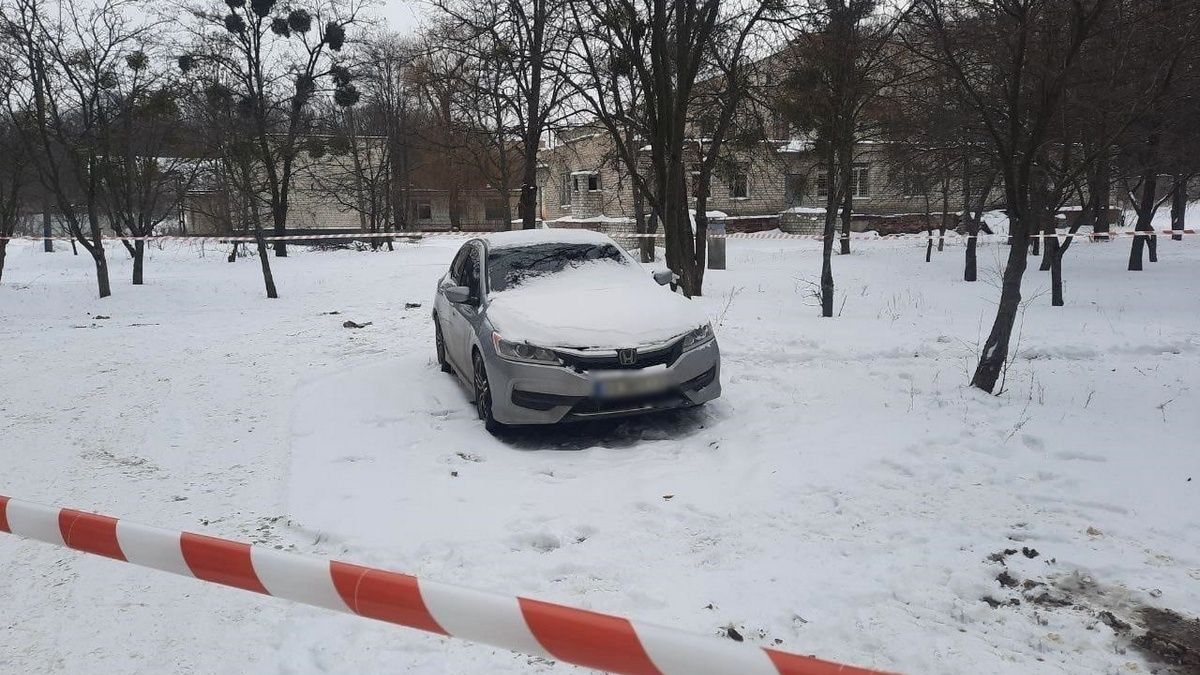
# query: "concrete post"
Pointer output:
{"type": "Point", "coordinates": [716, 243]}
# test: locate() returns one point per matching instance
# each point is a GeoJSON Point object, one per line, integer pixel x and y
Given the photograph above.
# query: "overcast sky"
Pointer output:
{"type": "Point", "coordinates": [401, 15]}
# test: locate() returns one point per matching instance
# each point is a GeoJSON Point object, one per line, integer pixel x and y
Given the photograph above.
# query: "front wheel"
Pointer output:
{"type": "Point", "coordinates": [483, 395]}
{"type": "Point", "coordinates": [440, 344]}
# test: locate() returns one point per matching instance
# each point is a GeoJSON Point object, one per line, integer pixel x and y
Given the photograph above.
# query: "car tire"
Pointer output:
{"type": "Point", "coordinates": [483, 394]}
{"type": "Point", "coordinates": [440, 345]}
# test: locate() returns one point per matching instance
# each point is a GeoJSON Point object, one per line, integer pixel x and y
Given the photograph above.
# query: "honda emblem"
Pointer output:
{"type": "Point", "coordinates": [627, 357]}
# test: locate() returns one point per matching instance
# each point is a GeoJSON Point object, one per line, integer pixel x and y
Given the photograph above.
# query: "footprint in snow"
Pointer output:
{"type": "Point", "coordinates": [543, 542]}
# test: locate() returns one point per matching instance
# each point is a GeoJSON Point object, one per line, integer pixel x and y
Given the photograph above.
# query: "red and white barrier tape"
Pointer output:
{"type": "Point", "coordinates": [949, 235]}
{"type": "Point", "coordinates": [577, 636]}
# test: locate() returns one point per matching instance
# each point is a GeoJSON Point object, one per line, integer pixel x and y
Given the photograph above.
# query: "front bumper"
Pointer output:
{"type": "Point", "coordinates": [535, 394]}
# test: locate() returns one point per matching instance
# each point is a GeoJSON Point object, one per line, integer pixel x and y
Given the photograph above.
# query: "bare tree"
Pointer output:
{"type": "Point", "coordinates": [67, 55]}
{"type": "Point", "coordinates": [146, 168]}
{"type": "Point", "coordinates": [390, 101]}
{"type": "Point", "coordinates": [14, 179]}
{"type": "Point", "coordinates": [352, 168]}
{"type": "Point", "coordinates": [838, 73]}
{"type": "Point", "coordinates": [275, 60]}
{"type": "Point", "coordinates": [1160, 140]}
{"type": "Point", "coordinates": [636, 66]}
{"type": "Point", "coordinates": [518, 47]}
{"type": "Point", "coordinates": [1014, 60]}
{"type": "Point", "coordinates": [483, 102]}
{"type": "Point", "coordinates": [232, 170]}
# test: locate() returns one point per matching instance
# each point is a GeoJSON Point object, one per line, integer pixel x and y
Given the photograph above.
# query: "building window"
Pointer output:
{"type": "Point", "coordinates": [564, 196]}
{"type": "Point", "coordinates": [739, 185]}
{"type": "Point", "coordinates": [793, 189]}
{"type": "Point", "coordinates": [860, 181]}
{"type": "Point", "coordinates": [593, 182]}
{"type": "Point", "coordinates": [423, 210]}
{"type": "Point", "coordinates": [913, 184]}
{"type": "Point", "coordinates": [493, 209]}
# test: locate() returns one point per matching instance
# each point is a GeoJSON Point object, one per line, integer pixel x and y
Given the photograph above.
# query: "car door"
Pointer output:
{"type": "Point", "coordinates": [466, 314]}
{"type": "Point", "coordinates": [449, 318]}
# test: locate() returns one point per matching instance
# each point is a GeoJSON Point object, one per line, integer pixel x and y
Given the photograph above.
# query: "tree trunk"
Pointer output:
{"type": "Point", "coordinates": [527, 207]}
{"type": "Point", "coordinates": [700, 245]}
{"type": "Point", "coordinates": [139, 255]}
{"type": "Point", "coordinates": [1178, 207]}
{"type": "Point", "coordinates": [279, 216]}
{"type": "Point", "coordinates": [1145, 214]}
{"type": "Point", "coordinates": [533, 119]}
{"type": "Point", "coordinates": [830, 230]}
{"type": "Point", "coordinates": [677, 225]}
{"type": "Point", "coordinates": [995, 349]}
{"type": "Point", "coordinates": [970, 272]}
{"type": "Point", "coordinates": [263, 258]}
{"type": "Point", "coordinates": [928, 230]}
{"type": "Point", "coordinates": [1054, 255]}
{"type": "Point", "coordinates": [645, 244]}
{"type": "Point", "coordinates": [1048, 232]}
{"type": "Point", "coordinates": [101, 271]}
{"type": "Point", "coordinates": [1101, 189]}
{"type": "Point", "coordinates": [971, 217]}
{"type": "Point", "coordinates": [846, 178]}
{"type": "Point", "coordinates": [47, 233]}
{"type": "Point", "coordinates": [3, 253]}
{"type": "Point", "coordinates": [945, 212]}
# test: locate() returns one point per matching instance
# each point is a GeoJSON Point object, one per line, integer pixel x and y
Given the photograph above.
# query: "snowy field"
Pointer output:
{"type": "Point", "coordinates": [849, 496]}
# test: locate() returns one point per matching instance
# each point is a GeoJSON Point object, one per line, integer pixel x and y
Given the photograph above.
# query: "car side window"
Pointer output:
{"type": "Point", "coordinates": [456, 267]}
{"type": "Point", "coordinates": [470, 273]}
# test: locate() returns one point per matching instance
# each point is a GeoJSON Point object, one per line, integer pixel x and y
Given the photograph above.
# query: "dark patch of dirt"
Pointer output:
{"type": "Point", "coordinates": [1007, 580]}
{"type": "Point", "coordinates": [999, 556]}
{"type": "Point", "coordinates": [1170, 638]}
{"type": "Point", "coordinates": [1047, 599]}
{"type": "Point", "coordinates": [994, 603]}
{"type": "Point", "coordinates": [1108, 619]}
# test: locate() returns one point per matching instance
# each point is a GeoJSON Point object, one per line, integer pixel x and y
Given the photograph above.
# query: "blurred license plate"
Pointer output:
{"type": "Point", "coordinates": [628, 386]}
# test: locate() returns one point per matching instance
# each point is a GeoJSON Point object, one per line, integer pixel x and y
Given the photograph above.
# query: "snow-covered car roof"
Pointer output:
{"type": "Point", "coordinates": [545, 236]}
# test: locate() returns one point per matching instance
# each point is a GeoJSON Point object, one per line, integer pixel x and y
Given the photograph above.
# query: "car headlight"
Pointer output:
{"type": "Point", "coordinates": [524, 352]}
{"type": "Point", "coordinates": [697, 337]}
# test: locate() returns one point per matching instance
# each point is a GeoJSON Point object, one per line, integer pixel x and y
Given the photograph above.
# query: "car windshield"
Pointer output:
{"type": "Point", "coordinates": [509, 267]}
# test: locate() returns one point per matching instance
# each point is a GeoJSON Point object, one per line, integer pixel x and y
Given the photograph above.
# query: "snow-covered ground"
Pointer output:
{"type": "Point", "coordinates": [843, 497]}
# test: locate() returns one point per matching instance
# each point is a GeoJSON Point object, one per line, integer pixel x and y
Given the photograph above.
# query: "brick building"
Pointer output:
{"type": "Point", "coordinates": [778, 184]}
{"type": "Point", "coordinates": [329, 193]}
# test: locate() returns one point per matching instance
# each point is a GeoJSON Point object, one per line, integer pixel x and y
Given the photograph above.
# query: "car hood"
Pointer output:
{"type": "Point", "coordinates": [593, 308]}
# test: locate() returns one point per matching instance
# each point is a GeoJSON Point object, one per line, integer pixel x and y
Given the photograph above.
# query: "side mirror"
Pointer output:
{"type": "Point", "coordinates": [664, 277]}
{"type": "Point", "coordinates": [458, 294]}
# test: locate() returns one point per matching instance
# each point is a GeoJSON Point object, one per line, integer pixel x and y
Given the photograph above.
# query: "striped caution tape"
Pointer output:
{"type": "Point", "coordinates": [577, 636]}
{"type": "Point", "coordinates": [772, 234]}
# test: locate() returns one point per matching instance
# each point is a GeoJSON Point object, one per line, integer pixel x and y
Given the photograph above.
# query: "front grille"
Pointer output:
{"type": "Point", "coordinates": [645, 358]}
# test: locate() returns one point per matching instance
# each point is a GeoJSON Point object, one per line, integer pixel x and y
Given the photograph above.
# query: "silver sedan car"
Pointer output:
{"type": "Point", "coordinates": [556, 325]}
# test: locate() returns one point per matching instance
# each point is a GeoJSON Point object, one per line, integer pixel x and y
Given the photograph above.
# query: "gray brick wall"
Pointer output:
{"type": "Point", "coordinates": [768, 172]}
